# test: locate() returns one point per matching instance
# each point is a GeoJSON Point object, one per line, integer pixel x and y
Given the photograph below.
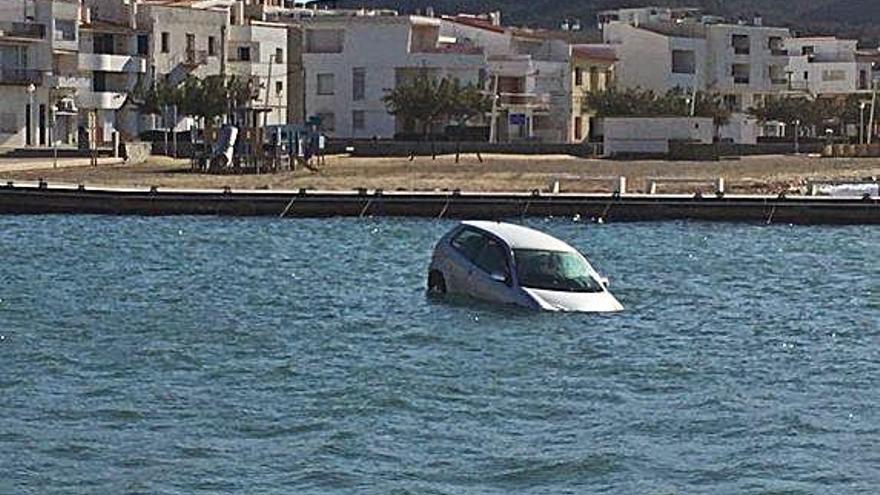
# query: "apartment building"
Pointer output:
{"type": "Point", "coordinates": [744, 63]}
{"type": "Point", "coordinates": [258, 51]}
{"type": "Point", "coordinates": [828, 66]}
{"type": "Point", "coordinates": [25, 66]}
{"type": "Point", "coordinates": [350, 62]}
{"type": "Point", "coordinates": [533, 75]}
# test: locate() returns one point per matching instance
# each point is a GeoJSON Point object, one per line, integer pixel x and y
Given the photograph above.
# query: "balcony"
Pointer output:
{"type": "Point", "coordinates": [525, 100]}
{"type": "Point", "coordinates": [100, 100]}
{"type": "Point", "coordinates": [65, 81]}
{"type": "Point", "coordinates": [111, 63]}
{"type": "Point", "coordinates": [194, 58]}
{"type": "Point", "coordinates": [741, 79]}
{"type": "Point", "coordinates": [26, 30]}
{"type": "Point", "coordinates": [778, 81]}
{"type": "Point", "coordinates": [20, 77]}
{"type": "Point", "coordinates": [779, 52]}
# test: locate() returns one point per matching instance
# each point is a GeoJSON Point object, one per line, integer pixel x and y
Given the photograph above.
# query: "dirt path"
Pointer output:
{"type": "Point", "coordinates": [765, 174]}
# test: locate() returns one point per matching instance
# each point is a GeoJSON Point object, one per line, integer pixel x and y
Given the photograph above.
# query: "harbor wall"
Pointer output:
{"type": "Point", "coordinates": [39, 199]}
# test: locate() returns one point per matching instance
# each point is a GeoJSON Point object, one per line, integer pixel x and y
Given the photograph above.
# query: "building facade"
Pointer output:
{"type": "Point", "coordinates": [351, 62]}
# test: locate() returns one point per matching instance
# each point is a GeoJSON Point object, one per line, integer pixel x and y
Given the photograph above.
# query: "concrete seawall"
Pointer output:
{"type": "Point", "coordinates": [42, 198]}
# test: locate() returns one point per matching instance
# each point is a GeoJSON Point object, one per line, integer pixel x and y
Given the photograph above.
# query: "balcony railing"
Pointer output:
{"type": "Point", "coordinates": [24, 30]}
{"type": "Point", "coordinates": [779, 52]}
{"type": "Point", "coordinates": [778, 80]}
{"type": "Point", "coordinates": [195, 58]}
{"type": "Point", "coordinates": [13, 75]}
{"type": "Point", "coordinates": [740, 79]}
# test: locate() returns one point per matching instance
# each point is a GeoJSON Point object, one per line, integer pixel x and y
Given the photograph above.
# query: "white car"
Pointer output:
{"type": "Point", "coordinates": [510, 264]}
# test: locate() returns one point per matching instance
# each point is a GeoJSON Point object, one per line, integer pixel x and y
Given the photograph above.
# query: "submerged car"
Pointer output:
{"type": "Point", "coordinates": [510, 264]}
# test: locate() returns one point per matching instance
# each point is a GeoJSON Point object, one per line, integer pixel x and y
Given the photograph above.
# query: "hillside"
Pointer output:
{"type": "Point", "coordinates": [845, 18]}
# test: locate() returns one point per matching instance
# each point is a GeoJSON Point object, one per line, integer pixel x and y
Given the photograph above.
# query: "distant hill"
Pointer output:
{"type": "Point", "coordinates": [845, 18]}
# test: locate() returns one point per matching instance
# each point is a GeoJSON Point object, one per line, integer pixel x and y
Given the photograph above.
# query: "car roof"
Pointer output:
{"type": "Point", "coordinates": [519, 237]}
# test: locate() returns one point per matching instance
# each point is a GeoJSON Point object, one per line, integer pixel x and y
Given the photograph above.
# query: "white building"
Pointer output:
{"type": "Point", "coordinates": [25, 73]}
{"type": "Point", "coordinates": [827, 66]}
{"type": "Point", "coordinates": [742, 63]}
{"type": "Point", "coordinates": [352, 62]}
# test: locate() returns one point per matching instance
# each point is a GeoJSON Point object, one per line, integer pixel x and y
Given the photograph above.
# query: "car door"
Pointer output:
{"type": "Point", "coordinates": [490, 276]}
{"type": "Point", "coordinates": [466, 245]}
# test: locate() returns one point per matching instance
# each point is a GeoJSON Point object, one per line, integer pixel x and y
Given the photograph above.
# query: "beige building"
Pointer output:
{"type": "Point", "coordinates": [592, 70]}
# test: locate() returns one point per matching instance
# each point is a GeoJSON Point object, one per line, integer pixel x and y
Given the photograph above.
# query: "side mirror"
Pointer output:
{"type": "Point", "coordinates": [605, 282]}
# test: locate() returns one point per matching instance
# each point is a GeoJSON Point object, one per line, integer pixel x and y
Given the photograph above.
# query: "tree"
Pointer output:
{"type": "Point", "coordinates": [636, 102]}
{"type": "Point", "coordinates": [421, 102]}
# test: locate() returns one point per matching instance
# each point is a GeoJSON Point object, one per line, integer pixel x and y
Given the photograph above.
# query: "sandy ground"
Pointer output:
{"type": "Point", "coordinates": [765, 174]}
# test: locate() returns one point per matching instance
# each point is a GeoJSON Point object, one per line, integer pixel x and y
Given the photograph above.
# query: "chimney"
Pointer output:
{"type": "Point", "coordinates": [429, 11]}
{"type": "Point", "coordinates": [495, 17]}
{"type": "Point", "coordinates": [86, 14]}
{"type": "Point", "coordinates": [758, 20]}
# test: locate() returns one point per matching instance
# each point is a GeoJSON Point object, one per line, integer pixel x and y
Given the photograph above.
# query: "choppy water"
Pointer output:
{"type": "Point", "coordinates": [184, 355]}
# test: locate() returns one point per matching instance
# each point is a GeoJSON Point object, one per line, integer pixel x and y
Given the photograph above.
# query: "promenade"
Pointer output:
{"type": "Point", "coordinates": [509, 173]}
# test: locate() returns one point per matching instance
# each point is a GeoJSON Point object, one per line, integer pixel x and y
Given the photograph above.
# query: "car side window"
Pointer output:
{"type": "Point", "coordinates": [469, 243]}
{"type": "Point", "coordinates": [492, 258]}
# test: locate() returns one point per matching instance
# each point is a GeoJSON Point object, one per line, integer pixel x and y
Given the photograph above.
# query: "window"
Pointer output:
{"type": "Point", "coordinates": [328, 121]}
{"type": "Point", "coordinates": [578, 76]}
{"type": "Point", "coordinates": [358, 83]}
{"type": "Point", "coordinates": [279, 87]}
{"type": "Point", "coordinates": [806, 75]}
{"type": "Point", "coordinates": [594, 79]}
{"type": "Point", "coordinates": [166, 41]}
{"type": "Point", "coordinates": [578, 128]}
{"type": "Point", "coordinates": [65, 30]}
{"type": "Point", "coordinates": [469, 243]}
{"type": "Point", "coordinates": [834, 75]}
{"type": "Point", "coordinates": [358, 120]}
{"type": "Point", "coordinates": [143, 41]}
{"type": "Point", "coordinates": [324, 40]}
{"type": "Point", "coordinates": [493, 260]}
{"type": "Point", "coordinates": [212, 46]}
{"type": "Point", "coordinates": [325, 84]}
{"type": "Point", "coordinates": [740, 43]}
{"type": "Point", "coordinates": [279, 56]}
{"type": "Point", "coordinates": [554, 270]}
{"type": "Point", "coordinates": [244, 53]}
{"type": "Point", "coordinates": [99, 81]}
{"type": "Point", "coordinates": [741, 73]}
{"type": "Point", "coordinates": [808, 50]}
{"type": "Point", "coordinates": [103, 43]}
{"type": "Point", "coordinates": [684, 62]}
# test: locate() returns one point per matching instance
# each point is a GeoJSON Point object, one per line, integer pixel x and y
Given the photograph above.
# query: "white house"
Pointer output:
{"type": "Point", "coordinates": [827, 66]}
{"type": "Point", "coordinates": [741, 62]}
{"type": "Point", "coordinates": [352, 62]}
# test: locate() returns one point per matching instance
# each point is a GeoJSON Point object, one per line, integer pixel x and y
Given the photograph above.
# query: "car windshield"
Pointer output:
{"type": "Point", "coordinates": [554, 270]}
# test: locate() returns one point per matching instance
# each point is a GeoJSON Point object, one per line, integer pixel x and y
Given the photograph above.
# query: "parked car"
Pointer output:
{"type": "Point", "coordinates": [510, 264]}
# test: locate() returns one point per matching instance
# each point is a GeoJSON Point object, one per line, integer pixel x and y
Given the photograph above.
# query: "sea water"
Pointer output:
{"type": "Point", "coordinates": [209, 355]}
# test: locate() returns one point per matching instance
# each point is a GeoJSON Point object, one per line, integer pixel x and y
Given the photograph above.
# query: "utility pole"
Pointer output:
{"type": "Point", "coordinates": [268, 90]}
{"type": "Point", "coordinates": [873, 106]}
{"type": "Point", "coordinates": [493, 124]}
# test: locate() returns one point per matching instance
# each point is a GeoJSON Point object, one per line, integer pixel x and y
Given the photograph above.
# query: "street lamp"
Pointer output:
{"type": "Point", "coordinates": [30, 120]}
{"type": "Point", "coordinates": [797, 130]}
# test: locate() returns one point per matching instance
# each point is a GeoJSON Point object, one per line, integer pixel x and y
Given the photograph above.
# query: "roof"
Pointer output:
{"type": "Point", "coordinates": [595, 52]}
{"type": "Point", "coordinates": [475, 22]}
{"type": "Point", "coordinates": [519, 237]}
